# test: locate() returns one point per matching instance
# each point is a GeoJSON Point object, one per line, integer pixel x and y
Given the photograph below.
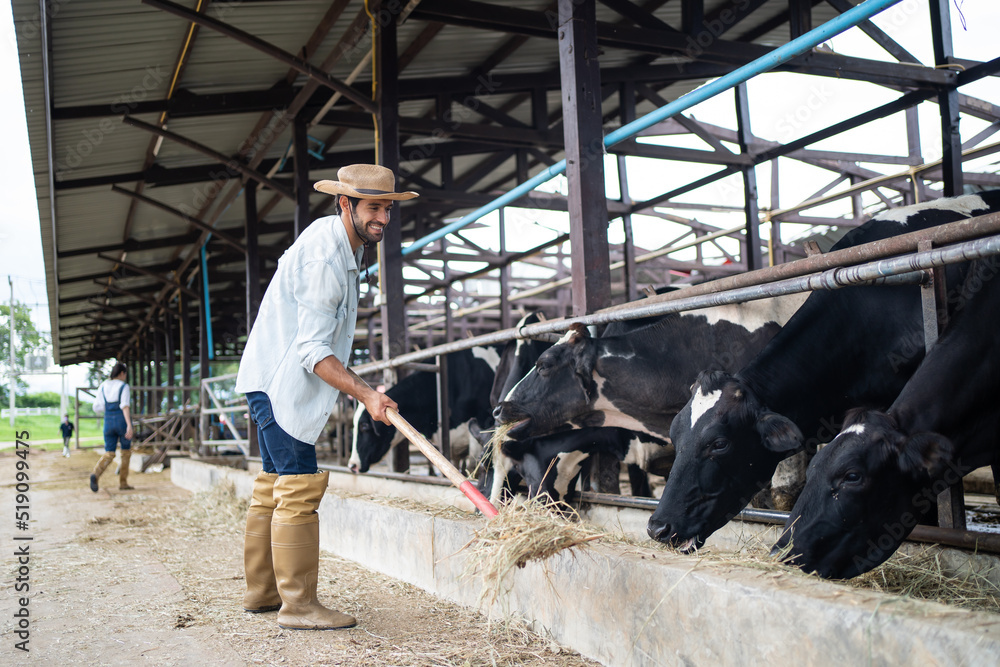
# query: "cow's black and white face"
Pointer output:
{"type": "Point", "coordinates": [727, 447]}
{"type": "Point", "coordinates": [372, 441]}
{"type": "Point", "coordinates": [864, 493]}
{"type": "Point", "coordinates": [559, 391]}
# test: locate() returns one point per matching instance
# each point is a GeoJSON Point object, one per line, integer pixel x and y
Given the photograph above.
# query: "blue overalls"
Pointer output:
{"type": "Point", "coordinates": [114, 423]}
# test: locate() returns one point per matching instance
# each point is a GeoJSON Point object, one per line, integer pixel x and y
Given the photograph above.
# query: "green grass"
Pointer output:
{"type": "Point", "coordinates": [46, 427]}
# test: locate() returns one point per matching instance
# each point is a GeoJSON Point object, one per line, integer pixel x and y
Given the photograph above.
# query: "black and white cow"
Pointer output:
{"type": "Point", "coordinates": [867, 488]}
{"type": "Point", "coordinates": [637, 380]}
{"type": "Point", "coordinates": [843, 348]}
{"type": "Point", "coordinates": [551, 464]}
{"type": "Point", "coordinates": [470, 378]}
{"type": "Point", "coordinates": [566, 455]}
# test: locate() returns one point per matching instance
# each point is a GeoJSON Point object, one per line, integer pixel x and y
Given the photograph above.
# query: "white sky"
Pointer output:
{"type": "Point", "coordinates": [783, 107]}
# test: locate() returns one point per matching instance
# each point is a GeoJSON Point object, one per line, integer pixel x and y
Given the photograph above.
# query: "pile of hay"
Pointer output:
{"type": "Point", "coordinates": [923, 576]}
{"type": "Point", "coordinates": [520, 533]}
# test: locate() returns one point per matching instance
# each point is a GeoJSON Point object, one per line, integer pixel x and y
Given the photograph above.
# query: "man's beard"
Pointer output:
{"type": "Point", "coordinates": [362, 231]}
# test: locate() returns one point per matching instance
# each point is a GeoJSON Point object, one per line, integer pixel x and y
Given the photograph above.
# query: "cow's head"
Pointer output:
{"type": "Point", "coordinates": [864, 493]}
{"type": "Point", "coordinates": [372, 441]}
{"type": "Point", "coordinates": [518, 357]}
{"type": "Point", "coordinates": [497, 478]}
{"type": "Point", "coordinates": [559, 390]}
{"type": "Point", "coordinates": [727, 447]}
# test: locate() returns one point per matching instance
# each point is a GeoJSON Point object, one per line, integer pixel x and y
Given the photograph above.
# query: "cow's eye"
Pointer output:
{"type": "Point", "coordinates": [853, 477]}
{"type": "Point", "coordinates": [719, 446]}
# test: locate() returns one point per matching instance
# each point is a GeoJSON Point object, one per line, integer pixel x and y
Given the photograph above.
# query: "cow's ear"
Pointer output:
{"type": "Point", "coordinates": [925, 454]}
{"type": "Point", "coordinates": [778, 433]}
{"type": "Point", "coordinates": [474, 430]}
{"type": "Point", "coordinates": [578, 333]}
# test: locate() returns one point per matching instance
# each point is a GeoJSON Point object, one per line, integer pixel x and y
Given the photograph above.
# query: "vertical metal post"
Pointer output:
{"type": "Point", "coordinates": [951, 140]}
{"type": "Point", "coordinates": [185, 320]}
{"type": "Point", "coordinates": [799, 17]}
{"type": "Point", "coordinates": [168, 325]}
{"type": "Point", "coordinates": [253, 254]}
{"type": "Point", "coordinates": [157, 371]}
{"type": "Point", "coordinates": [76, 416]}
{"type": "Point", "coordinates": [13, 367]}
{"type": "Point", "coordinates": [505, 319]}
{"type": "Point", "coordinates": [951, 501]}
{"type": "Point", "coordinates": [626, 95]}
{"type": "Point", "coordinates": [301, 165]}
{"type": "Point", "coordinates": [583, 136]}
{"type": "Point", "coordinates": [692, 16]}
{"type": "Point", "coordinates": [754, 259]}
{"type": "Point", "coordinates": [777, 250]}
{"type": "Point", "coordinates": [391, 261]}
{"type": "Point", "coordinates": [203, 360]}
{"type": "Point", "coordinates": [914, 153]}
{"type": "Point", "coordinates": [444, 410]}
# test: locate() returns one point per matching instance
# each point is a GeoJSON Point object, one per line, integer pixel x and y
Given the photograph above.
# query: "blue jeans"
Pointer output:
{"type": "Point", "coordinates": [280, 452]}
{"type": "Point", "coordinates": [114, 430]}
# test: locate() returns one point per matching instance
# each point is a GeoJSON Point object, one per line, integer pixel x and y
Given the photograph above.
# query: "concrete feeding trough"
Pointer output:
{"type": "Point", "coordinates": [623, 604]}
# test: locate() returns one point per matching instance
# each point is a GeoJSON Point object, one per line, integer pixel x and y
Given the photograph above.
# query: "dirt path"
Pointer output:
{"type": "Point", "coordinates": [155, 576]}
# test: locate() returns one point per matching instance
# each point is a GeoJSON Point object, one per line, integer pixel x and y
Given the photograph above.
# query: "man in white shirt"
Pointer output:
{"type": "Point", "coordinates": [292, 370]}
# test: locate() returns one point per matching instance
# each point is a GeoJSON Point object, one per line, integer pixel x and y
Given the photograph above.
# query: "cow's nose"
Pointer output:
{"type": "Point", "coordinates": [658, 530]}
{"type": "Point", "coordinates": [781, 545]}
{"type": "Point", "coordinates": [496, 412]}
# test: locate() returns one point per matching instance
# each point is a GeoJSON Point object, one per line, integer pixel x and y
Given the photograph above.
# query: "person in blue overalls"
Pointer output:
{"type": "Point", "coordinates": [113, 398]}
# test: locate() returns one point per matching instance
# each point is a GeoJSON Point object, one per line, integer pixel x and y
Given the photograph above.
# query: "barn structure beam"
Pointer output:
{"type": "Point", "coordinates": [951, 139]}
{"type": "Point", "coordinates": [753, 259]}
{"type": "Point", "coordinates": [581, 98]}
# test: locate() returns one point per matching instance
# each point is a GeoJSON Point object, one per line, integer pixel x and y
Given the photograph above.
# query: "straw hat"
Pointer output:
{"type": "Point", "coordinates": [364, 181]}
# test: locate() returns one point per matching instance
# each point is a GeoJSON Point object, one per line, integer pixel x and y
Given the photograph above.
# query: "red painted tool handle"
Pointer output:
{"type": "Point", "coordinates": [478, 499]}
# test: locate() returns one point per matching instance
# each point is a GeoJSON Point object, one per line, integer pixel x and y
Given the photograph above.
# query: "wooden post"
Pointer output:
{"type": "Point", "coordinates": [583, 136]}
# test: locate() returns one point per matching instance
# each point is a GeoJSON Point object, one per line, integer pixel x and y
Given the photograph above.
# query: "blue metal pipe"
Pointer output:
{"type": "Point", "coordinates": [208, 303]}
{"type": "Point", "coordinates": [780, 55]}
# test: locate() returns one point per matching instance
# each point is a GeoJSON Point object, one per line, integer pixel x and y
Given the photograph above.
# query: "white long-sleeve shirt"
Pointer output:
{"type": "Point", "coordinates": [308, 313]}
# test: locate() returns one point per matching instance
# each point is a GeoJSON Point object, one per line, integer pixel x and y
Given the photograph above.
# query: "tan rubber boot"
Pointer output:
{"type": "Point", "coordinates": [295, 552]}
{"type": "Point", "coordinates": [102, 463]}
{"type": "Point", "coordinates": [123, 471]}
{"type": "Point", "coordinates": [262, 592]}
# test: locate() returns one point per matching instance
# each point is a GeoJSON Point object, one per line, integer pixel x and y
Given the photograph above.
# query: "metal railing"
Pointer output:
{"type": "Point", "coordinates": [211, 404]}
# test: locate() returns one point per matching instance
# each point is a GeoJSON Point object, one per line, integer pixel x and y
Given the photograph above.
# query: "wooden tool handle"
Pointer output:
{"type": "Point", "coordinates": [442, 464]}
{"type": "Point", "coordinates": [438, 459]}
